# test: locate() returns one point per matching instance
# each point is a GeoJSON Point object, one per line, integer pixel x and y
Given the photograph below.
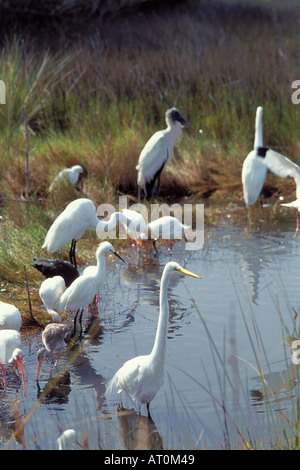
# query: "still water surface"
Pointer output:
{"type": "Point", "coordinates": [219, 329]}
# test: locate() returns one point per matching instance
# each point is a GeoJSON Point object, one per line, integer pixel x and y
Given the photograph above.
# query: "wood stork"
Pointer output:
{"type": "Point", "coordinates": [56, 267]}
{"type": "Point", "coordinates": [283, 166]}
{"type": "Point", "coordinates": [142, 376]}
{"type": "Point", "coordinates": [158, 151]}
{"type": "Point", "coordinates": [55, 337]}
{"type": "Point", "coordinates": [254, 167]}
{"type": "Point", "coordinates": [10, 317]}
{"type": "Point", "coordinates": [11, 353]}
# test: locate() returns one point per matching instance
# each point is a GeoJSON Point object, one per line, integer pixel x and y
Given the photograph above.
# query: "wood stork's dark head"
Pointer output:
{"type": "Point", "coordinates": [173, 115]}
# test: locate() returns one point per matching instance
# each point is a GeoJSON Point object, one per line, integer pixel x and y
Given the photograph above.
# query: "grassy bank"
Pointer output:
{"type": "Point", "coordinates": [95, 96]}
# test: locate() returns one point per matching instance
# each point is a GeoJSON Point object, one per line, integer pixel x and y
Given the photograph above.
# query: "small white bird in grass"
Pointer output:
{"type": "Point", "coordinates": [254, 167]}
{"type": "Point", "coordinates": [50, 293]}
{"type": "Point", "coordinates": [55, 337]}
{"type": "Point", "coordinates": [10, 317]}
{"type": "Point", "coordinates": [72, 175]}
{"type": "Point", "coordinates": [83, 290]}
{"type": "Point", "coordinates": [142, 376]}
{"type": "Point", "coordinates": [70, 225]}
{"type": "Point", "coordinates": [158, 151]}
{"type": "Point", "coordinates": [11, 353]}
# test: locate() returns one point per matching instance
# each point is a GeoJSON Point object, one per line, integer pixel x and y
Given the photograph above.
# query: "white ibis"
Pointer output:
{"type": "Point", "coordinates": [142, 376]}
{"type": "Point", "coordinates": [158, 151]}
{"type": "Point", "coordinates": [11, 353]}
{"type": "Point", "coordinates": [55, 337]}
{"type": "Point", "coordinates": [72, 175]}
{"type": "Point", "coordinates": [50, 293]}
{"type": "Point", "coordinates": [10, 317]}
{"type": "Point", "coordinates": [254, 167]}
{"type": "Point", "coordinates": [56, 267]}
{"type": "Point", "coordinates": [83, 290]}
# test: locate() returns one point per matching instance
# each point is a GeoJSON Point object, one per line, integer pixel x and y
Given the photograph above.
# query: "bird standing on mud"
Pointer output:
{"type": "Point", "coordinates": [158, 151]}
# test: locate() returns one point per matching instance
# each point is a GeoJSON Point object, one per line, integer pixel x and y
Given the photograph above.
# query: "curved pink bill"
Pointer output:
{"type": "Point", "coordinates": [20, 366]}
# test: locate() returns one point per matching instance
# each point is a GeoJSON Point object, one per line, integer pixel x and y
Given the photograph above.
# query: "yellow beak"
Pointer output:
{"type": "Point", "coordinates": [187, 273]}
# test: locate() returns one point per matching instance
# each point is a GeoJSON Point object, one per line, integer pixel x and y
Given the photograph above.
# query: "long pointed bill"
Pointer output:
{"type": "Point", "coordinates": [187, 273]}
{"type": "Point", "coordinates": [187, 125]}
{"type": "Point", "coordinates": [118, 256]}
{"type": "Point", "coordinates": [20, 366]}
{"type": "Point", "coordinates": [137, 240]}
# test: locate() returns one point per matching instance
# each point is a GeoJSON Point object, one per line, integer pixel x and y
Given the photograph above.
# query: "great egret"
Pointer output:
{"type": "Point", "coordinates": [72, 175]}
{"type": "Point", "coordinates": [10, 317]}
{"type": "Point", "coordinates": [142, 376]}
{"type": "Point", "coordinates": [50, 293]}
{"type": "Point", "coordinates": [70, 225]}
{"type": "Point", "coordinates": [83, 290]}
{"type": "Point", "coordinates": [254, 167]}
{"type": "Point", "coordinates": [56, 267]}
{"type": "Point", "coordinates": [283, 166]}
{"type": "Point", "coordinates": [55, 337]}
{"type": "Point", "coordinates": [158, 151]}
{"type": "Point", "coordinates": [11, 352]}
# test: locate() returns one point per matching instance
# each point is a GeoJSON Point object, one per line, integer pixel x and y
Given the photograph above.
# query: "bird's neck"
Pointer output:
{"type": "Point", "coordinates": [159, 347]}
{"type": "Point", "coordinates": [174, 131]}
{"type": "Point", "coordinates": [258, 140]}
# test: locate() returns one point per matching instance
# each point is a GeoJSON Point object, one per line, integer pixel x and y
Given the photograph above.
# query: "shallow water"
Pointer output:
{"type": "Point", "coordinates": [219, 328]}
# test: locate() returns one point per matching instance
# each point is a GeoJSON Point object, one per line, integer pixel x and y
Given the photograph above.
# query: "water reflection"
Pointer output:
{"type": "Point", "coordinates": [138, 432]}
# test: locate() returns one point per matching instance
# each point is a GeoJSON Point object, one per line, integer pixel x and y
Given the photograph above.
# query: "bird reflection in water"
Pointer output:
{"type": "Point", "coordinates": [138, 432]}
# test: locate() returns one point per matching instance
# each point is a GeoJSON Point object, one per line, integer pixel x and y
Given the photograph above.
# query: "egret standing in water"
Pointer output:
{"type": "Point", "coordinates": [83, 290]}
{"type": "Point", "coordinates": [158, 151]}
{"type": "Point", "coordinates": [142, 376]}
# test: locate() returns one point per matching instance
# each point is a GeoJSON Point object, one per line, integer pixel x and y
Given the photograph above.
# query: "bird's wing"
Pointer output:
{"type": "Point", "coordinates": [153, 156]}
{"type": "Point", "coordinates": [282, 166]}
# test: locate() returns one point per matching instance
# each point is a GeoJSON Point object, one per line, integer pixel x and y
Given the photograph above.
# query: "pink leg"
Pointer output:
{"type": "Point", "coordinates": [129, 241]}
{"type": "Point", "coordinates": [3, 375]}
{"type": "Point", "coordinates": [297, 227]}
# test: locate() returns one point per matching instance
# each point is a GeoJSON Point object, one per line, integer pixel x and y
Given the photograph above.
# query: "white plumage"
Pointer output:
{"type": "Point", "coordinates": [10, 317]}
{"type": "Point", "coordinates": [11, 352]}
{"type": "Point", "coordinates": [158, 151]}
{"type": "Point", "coordinates": [70, 225]}
{"type": "Point", "coordinates": [50, 293]}
{"type": "Point", "coordinates": [68, 174]}
{"type": "Point", "coordinates": [254, 167]}
{"type": "Point", "coordinates": [142, 376]}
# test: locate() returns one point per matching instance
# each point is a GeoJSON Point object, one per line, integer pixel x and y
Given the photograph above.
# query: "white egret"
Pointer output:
{"type": "Point", "coordinates": [11, 352]}
{"type": "Point", "coordinates": [142, 376]}
{"type": "Point", "coordinates": [72, 175]}
{"type": "Point", "coordinates": [50, 293]}
{"type": "Point", "coordinates": [10, 317]}
{"type": "Point", "coordinates": [56, 267]}
{"type": "Point", "coordinates": [55, 337]}
{"type": "Point", "coordinates": [254, 167]}
{"type": "Point", "coordinates": [70, 225]}
{"type": "Point", "coordinates": [79, 216]}
{"type": "Point", "coordinates": [158, 151]}
{"type": "Point", "coordinates": [83, 290]}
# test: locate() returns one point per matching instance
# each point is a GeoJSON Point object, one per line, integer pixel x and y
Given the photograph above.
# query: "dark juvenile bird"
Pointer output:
{"type": "Point", "coordinates": [56, 267]}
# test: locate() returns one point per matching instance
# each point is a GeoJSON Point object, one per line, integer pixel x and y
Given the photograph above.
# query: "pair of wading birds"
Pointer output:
{"type": "Point", "coordinates": [142, 376]}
